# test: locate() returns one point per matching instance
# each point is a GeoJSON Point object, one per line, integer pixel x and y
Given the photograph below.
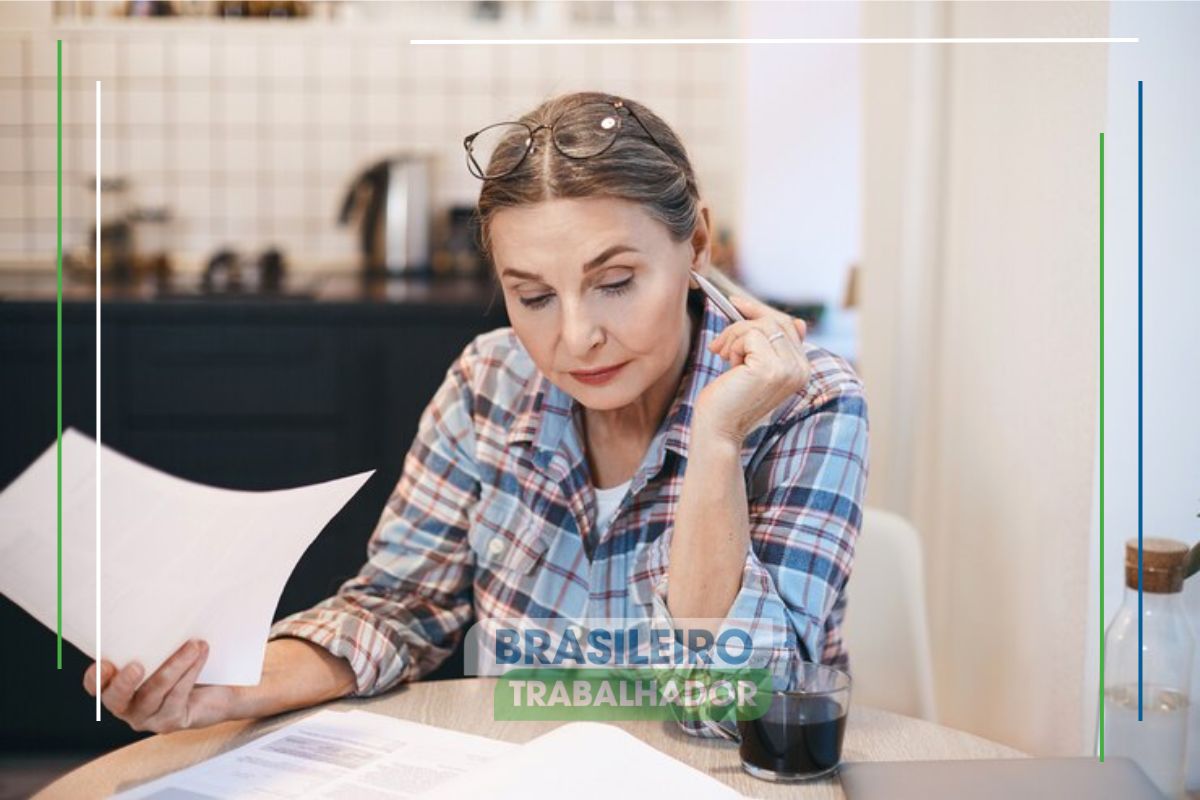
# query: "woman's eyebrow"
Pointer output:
{"type": "Point", "coordinates": [598, 261]}
{"type": "Point", "coordinates": [616, 249]}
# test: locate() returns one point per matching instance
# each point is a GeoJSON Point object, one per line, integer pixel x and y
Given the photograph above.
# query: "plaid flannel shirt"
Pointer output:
{"type": "Point", "coordinates": [494, 504]}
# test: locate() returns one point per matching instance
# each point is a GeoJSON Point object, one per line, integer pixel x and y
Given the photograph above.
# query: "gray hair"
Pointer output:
{"type": "Point", "coordinates": [660, 179]}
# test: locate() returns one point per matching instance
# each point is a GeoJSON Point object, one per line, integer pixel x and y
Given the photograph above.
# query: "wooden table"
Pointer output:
{"type": "Point", "coordinates": [466, 705]}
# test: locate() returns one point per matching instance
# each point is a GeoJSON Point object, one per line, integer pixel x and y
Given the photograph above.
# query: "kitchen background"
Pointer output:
{"type": "Point", "coordinates": [244, 132]}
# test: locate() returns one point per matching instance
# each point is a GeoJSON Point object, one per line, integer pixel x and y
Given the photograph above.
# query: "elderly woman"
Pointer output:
{"type": "Point", "coordinates": [623, 449]}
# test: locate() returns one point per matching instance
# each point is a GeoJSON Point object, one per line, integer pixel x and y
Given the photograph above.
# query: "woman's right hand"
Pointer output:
{"type": "Point", "coordinates": [168, 700]}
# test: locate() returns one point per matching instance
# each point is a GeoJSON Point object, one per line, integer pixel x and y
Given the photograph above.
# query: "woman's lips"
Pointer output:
{"type": "Point", "coordinates": [597, 377]}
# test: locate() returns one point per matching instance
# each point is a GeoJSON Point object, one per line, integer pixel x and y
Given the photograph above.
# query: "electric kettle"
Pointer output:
{"type": "Point", "coordinates": [392, 201]}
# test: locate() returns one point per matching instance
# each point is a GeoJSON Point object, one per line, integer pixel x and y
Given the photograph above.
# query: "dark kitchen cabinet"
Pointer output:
{"type": "Point", "coordinates": [247, 395]}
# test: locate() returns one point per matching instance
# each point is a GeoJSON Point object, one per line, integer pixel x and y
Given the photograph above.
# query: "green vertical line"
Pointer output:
{"type": "Point", "coordinates": [58, 356]}
{"type": "Point", "coordinates": [1101, 447]}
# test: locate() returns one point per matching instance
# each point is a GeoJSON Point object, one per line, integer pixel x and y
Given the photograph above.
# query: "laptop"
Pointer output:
{"type": "Point", "coordinates": [1117, 778]}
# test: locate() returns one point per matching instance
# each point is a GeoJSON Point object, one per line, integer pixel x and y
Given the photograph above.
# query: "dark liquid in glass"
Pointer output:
{"type": "Point", "coordinates": [796, 737]}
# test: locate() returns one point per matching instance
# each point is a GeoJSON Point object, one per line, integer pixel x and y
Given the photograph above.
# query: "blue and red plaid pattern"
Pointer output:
{"type": "Point", "coordinates": [491, 513]}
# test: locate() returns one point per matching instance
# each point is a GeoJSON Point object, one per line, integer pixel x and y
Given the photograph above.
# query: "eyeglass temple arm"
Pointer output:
{"type": "Point", "coordinates": [621, 104]}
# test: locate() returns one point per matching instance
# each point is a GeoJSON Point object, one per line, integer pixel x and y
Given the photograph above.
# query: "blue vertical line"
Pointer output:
{"type": "Point", "coordinates": [1141, 512]}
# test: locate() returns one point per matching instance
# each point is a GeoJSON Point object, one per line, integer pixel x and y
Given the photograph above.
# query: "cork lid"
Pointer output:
{"type": "Point", "coordinates": [1163, 562]}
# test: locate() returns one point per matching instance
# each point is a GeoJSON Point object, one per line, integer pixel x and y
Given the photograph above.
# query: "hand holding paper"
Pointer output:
{"type": "Point", "coordinates": [179, 560]}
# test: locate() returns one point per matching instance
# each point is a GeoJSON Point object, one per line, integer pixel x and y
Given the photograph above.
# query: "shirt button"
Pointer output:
{"type": "Point", "coordinates": [577, 630]}
{"type": "Point", "coordinates": [496, 546]}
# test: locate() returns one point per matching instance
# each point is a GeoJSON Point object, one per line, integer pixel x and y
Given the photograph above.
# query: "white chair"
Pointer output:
{"type": "Point", "coordinates": [886, 629]}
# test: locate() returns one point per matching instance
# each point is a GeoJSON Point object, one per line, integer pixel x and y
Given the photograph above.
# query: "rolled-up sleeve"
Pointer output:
{"type": "Point", "coordinates": [805, 522]}
{"type": "Point", "coordinates": [805, 506]}
{"type": "Point", "coordinates": [406, 610]}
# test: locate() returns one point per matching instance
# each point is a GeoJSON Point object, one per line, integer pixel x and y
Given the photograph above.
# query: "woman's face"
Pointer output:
{"type": "Point", "coordinates": [594, 283]}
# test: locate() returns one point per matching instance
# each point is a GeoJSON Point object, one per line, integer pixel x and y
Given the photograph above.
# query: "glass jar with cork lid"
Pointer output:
{"type": "Point", "coordinates": [1157, 740]}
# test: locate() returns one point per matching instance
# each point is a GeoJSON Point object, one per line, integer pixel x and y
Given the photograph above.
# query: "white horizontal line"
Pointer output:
{"type": "Point", "coordinates": [950, 40]}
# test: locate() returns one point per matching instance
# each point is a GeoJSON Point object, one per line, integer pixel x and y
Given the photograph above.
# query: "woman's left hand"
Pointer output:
{"type": "Point", "coordinates": [769, 366]}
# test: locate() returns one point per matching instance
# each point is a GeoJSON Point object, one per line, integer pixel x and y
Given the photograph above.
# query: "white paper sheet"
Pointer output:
{"type": "Point", "coordinates": [586, 761]}
{"type": "Point", "coordinates": [333, 755]}
{"type": "Point", "coordinates": [179, 560]}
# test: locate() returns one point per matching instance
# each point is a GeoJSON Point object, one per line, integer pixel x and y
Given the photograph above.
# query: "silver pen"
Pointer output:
{"type": "Point", "coordinates": [719, 299]}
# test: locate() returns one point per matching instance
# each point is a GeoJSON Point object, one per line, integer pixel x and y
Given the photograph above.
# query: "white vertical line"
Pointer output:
{"type": "Point", "coordinates": [99, 660]}
{"type": "Point", "coordinates": [794, 41]}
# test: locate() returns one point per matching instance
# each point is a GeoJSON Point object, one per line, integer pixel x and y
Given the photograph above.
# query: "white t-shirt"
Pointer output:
{"type": "Point", "coordinates": [607, 501]}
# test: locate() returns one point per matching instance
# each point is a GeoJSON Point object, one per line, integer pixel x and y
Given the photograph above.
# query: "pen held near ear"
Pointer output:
{"type": "Point", "coordinates": [719, 299]}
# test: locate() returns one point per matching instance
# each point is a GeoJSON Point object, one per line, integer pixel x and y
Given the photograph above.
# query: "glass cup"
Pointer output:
{"type": "Point", "coordinates": [800, 735]}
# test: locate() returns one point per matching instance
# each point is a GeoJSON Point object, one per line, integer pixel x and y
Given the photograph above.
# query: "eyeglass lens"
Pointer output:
{"type": "Point", "coordinates": [580, 133]}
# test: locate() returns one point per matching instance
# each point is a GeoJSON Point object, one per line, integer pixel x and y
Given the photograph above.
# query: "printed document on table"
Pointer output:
{"type": "Point", "coordinates": [350, 755]}
{"type": "Point", "coordinates": [332, 755]}
{"type": "Point", "coordinates": [178, 559]}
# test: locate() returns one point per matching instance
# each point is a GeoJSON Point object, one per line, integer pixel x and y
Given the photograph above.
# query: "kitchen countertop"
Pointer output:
{"type": "Point", "coordinates": [344, 298]}
{"type": "Point", "coordinates": [40, 285]}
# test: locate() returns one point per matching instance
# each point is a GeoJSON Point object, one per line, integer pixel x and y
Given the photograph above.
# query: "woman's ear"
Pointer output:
{"type": "Point", "coordinates": [702, 240]}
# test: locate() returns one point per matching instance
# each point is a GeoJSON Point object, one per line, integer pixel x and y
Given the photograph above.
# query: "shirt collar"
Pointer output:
{"type": "Point", "coordinates": [546, 413]}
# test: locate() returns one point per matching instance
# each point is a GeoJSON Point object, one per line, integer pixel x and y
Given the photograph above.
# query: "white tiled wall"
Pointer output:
{"type": "Point", "coordinates": [250, 131]}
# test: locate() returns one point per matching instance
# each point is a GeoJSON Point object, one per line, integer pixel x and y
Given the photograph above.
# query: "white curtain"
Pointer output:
{"type": "Point", "coordinates": [979, 345]}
